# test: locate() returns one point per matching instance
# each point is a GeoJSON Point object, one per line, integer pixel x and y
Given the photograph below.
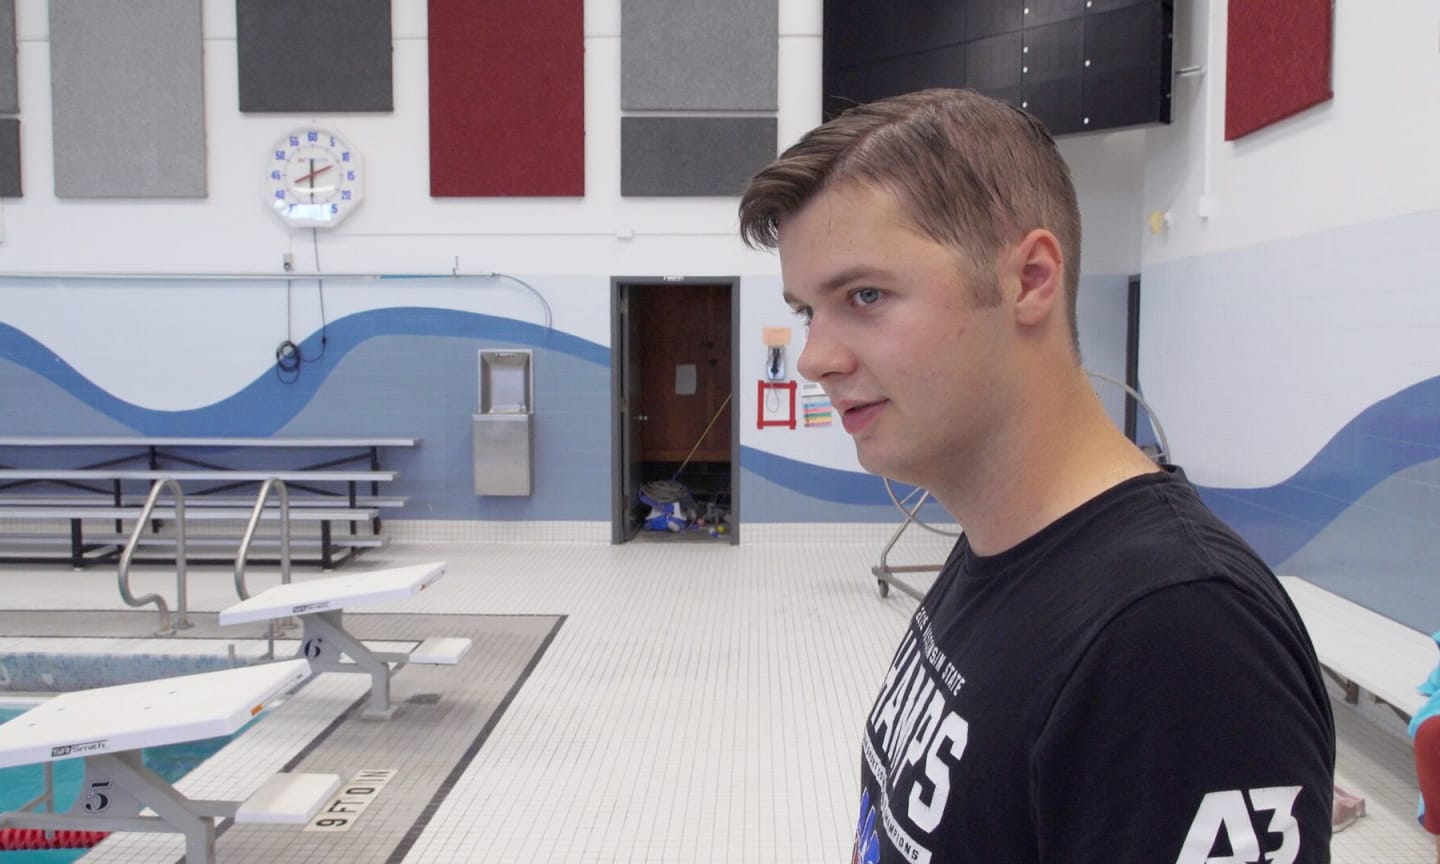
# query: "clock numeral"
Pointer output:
{"type": "Point", "coordinates": [275, 175]}
{"type": "Point", "coordinates": [349, 175]}
{"type": "Point", "coordinates": [345, 195]}
{"type": "Point", "coordinates": [294, 141]}
{"type": "Point", "coordinates": [279, 155]}
{"type": "Point", "coordinates": [345, 156]}
{"type": "Point", "coordinates": [280, 194]}
{"type": "Point", "coordinates": [312, 137]}
{"type": "Point", "coordinates": [334, 208]}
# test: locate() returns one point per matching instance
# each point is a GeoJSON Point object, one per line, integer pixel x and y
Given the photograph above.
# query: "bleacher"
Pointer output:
{"type": "Point", "coordinates": [76, 500]}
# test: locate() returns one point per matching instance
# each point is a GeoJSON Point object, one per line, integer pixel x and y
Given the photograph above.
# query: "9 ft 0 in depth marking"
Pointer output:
{"type": "Point", "coordinates": [313, 178]}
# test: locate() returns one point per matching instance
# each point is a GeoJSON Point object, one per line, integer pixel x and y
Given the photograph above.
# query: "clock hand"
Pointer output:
{"type": "Point", "coordinates": [314, 173]}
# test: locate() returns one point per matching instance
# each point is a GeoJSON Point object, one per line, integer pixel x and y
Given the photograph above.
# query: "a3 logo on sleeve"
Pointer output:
{"type": "Point", "coordinates": [1231, 815]}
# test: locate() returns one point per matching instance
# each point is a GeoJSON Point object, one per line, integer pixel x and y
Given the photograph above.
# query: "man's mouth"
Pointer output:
{"type": "Point", "coordinates": [855, 416]}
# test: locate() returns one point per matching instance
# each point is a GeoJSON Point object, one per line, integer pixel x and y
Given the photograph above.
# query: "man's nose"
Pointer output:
{"type": "Point", "coordinates": [825, 353]}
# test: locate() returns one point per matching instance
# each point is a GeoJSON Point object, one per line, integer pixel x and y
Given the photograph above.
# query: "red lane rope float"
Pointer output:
{"type": "Point", "coordinates": [12, 839]}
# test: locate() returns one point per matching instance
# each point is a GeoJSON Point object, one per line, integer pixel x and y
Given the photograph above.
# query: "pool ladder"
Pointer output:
{"type": "Point", "coordinates": [272, 627]}
{"type": "Point", "coordinates": [182, 620]}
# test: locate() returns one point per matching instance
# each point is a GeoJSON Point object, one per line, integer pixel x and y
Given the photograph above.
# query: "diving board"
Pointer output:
{"type": "Point", "coordinates": [109, 726]}
{"type": "Point", "coordinates": [320, 605]}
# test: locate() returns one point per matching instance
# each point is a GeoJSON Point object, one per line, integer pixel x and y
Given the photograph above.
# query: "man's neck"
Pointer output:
{"type": "Point", "coordinates": [1057, 455]}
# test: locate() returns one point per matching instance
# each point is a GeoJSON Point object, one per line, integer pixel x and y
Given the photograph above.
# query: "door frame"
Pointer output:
{"type": "Point", "coordinates": [620, 297]}
{"type": "Point", "coordinates": [1132, 352]}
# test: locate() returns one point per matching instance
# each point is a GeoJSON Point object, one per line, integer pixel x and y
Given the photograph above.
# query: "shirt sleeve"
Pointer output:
{"type": "Point", "coordinates": [1194, 727]}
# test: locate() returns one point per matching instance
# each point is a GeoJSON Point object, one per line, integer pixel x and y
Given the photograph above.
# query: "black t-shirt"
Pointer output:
{"type": "Point", "coordinates": [1130, 685]}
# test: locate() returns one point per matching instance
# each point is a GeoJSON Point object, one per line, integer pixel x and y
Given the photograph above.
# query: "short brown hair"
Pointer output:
{"type": "Point", "coordinates": [974, 174]}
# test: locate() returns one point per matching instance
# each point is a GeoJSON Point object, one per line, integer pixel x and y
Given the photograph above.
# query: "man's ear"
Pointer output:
{"type": "Point", "coordinates": [1040, 265]}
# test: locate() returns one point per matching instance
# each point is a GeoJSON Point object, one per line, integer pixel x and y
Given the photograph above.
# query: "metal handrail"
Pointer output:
{"type": "Point", "coordinates": [182, 620]}
{"type": "Point", "coordinates": [272, 627]}
{"type": "Point", "coordinates": [244, 552]}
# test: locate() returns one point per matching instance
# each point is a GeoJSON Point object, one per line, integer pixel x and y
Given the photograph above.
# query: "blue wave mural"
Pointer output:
{"type": "Point", "coordinates": [272, 400]}
{"type": "Point", "coordinates": [369, 378]}
{"type": "Point", "coordinates": [1388, 437]}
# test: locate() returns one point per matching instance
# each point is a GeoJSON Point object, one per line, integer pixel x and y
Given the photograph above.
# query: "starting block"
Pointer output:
{"type": "Point", "coordinates": [320, 605]}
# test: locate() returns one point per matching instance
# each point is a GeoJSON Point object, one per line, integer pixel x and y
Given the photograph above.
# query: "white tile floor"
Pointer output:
{"type": "Point", "coordinates": [700, 703]}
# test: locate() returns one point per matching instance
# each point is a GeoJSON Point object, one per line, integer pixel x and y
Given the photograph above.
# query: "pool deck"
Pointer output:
{"type": "Point", "coordinates": [444, 715]}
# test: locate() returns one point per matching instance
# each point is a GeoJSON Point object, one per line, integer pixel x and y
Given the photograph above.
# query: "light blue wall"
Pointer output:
{"type": "Point", "coordinates": [1300, 385]}
{"type": "Point", "coordinates": [411, 372]}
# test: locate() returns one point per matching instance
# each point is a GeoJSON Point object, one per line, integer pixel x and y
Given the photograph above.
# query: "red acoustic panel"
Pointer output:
{"type": "Point", "coordinates": [507, 98]}
{"type": "Point", "coordinates": [1278, 61]}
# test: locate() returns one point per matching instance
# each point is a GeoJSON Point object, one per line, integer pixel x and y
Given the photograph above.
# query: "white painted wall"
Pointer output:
{"type": "Point", "coordinates": [1367, 154]}
{"type": "Point", "coordinates": [400, 228]}
{"type": "Point", "coordinates": [125, 335]}
{"type": "Point", "coordinates": [1310, 293]}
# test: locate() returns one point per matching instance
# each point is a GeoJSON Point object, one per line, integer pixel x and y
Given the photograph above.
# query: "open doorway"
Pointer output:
{"type": "Point", "coordinates": [676, 429]}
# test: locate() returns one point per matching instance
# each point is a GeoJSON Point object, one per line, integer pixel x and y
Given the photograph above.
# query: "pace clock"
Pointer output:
{"type": "Point", "coordinates": [313, 178]}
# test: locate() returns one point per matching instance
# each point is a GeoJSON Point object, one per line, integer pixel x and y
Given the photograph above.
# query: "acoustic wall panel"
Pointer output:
{"type": "Point", "coordinates": [693, 155]}
{"type": "Point", "coordinates": [1277, 61]}
{"type": "Point", "coordinates": [314, 56]}
{"type": "Point", "coordinates": [9, 89]}
{"type": "Point", "coordinates": [716, 55]}
{"type": "Point", "coordinates": [9, 157]}
{"type": "Point", "coordinates": [128, 99]}
{"type": "Point", "coordinates": [507, 98]}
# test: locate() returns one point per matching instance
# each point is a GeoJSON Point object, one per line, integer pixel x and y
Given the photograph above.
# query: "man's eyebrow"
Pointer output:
{"type": "Point", "coordinates": [849, 275]}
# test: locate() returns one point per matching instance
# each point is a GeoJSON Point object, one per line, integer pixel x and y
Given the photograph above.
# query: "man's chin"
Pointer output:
{"type": "Point", "coordinates": [891, 468]}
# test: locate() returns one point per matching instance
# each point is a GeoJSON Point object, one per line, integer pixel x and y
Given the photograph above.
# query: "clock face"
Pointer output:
{"type": "Point", "coordinates": [313, 178]}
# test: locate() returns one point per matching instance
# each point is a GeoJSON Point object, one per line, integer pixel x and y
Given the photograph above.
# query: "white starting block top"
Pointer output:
{"type": "Point", "coordinates": [334, 592]}
{"type": "Point", "coordinates": [146, 714]}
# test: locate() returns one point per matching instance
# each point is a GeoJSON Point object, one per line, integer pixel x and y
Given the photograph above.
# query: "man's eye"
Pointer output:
{"type": "Point", "coordinates": [867, 296]}
{"type": "Point", "coordinates": [805, 313]}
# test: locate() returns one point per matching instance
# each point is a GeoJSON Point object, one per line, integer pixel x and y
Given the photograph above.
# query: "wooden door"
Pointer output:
{"type": "Point", "coordinates": [683, 338]}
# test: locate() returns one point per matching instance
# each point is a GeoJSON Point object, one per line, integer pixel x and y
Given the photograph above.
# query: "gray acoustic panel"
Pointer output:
{"type": "Point", "coordinates": [314, 56]}
{"type": "Point", "coordinates": [9, 89]}
{"type": "Point", "coordinates": [693, 155]}
{"type": "Point", "coordinates": [128, 99]}
{"type": "Point", "coordinates": [9, 157]}
{"type": "Point", "coordinates": [699, 55]}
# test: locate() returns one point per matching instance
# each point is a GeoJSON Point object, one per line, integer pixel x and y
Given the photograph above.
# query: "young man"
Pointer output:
{"type": "Point", "coordinates": [1103, 672]}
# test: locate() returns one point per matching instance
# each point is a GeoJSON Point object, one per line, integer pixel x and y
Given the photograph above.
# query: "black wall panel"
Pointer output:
{"type": "Point", "coordinates": [1054, 51]}
{"type": "Point", "coordinates": [1122, 39]}
{"type": "Point", "coordinates": [9, 157]}
{"type": "Point", "coordinates": [940, 67]}
{"type": "Point", "coordinates": [1056, 103]}
{"type": "Point", "coordinates": [994, 63]}
{"type": "Point", "coordinates": [985, 17]}
{"type": "Point", "coordinates": [1078, 65]}
{"type": "Point", "coordinates": [1041, 12]}
{"type": "Point", "coordinates": [878, 30]}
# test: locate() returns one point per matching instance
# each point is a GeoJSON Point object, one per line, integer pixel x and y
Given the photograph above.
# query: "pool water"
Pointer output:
{"type": "Point", "coordinates": [21, 784]}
